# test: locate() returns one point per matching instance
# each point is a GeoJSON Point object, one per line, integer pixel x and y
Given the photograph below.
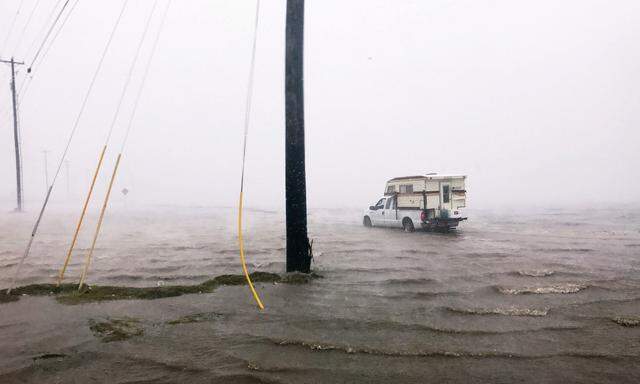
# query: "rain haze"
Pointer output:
{"type": "Point", "coordinates": [536, 102]}
{"type": "Point", "coordinates": [472, 201]}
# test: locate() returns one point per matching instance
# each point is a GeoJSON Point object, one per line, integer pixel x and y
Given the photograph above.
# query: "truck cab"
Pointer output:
{"type": "Point", "coordinates": [430, 202]}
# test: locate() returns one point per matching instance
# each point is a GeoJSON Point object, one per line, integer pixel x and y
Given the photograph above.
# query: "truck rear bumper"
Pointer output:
{"type": "Point", "coordinates": [448, 223]}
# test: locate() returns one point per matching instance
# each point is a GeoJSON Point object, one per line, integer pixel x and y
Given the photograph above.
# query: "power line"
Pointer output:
{"type": "Point", "coordinates": [145, 74]}
{"type": "Point", "coordinates": [44, 26]}
{"type": "Point", "coordinates": [124, 140]}
{"type": "Point", "coordinates": [104, 148]}
{"type": "Point", "coordinates": [60, 28]}
{"type": "Point", "coordinates": [26, 25]}
{"type": "Point", "coordinates": [90, 89]}
{"type": "Point", "coordinates": [13, 23]}
{"type": "Point", "coordinates": [48, 34]}
{"type": "Point", "coordinates": [131, 68]}
{"type": "Point", "coordinates": [247, 123]}
{"type": "Point", "coordinates": [26, 83]}
{"type": "Point", "coordinates": [66, 149]}
{"type": "Point", "coordinates": [28, 79]}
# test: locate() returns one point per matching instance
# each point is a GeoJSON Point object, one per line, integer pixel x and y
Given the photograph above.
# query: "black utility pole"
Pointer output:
{"type": "Point", "coordinates": [298, 248]}
{"type": "Point", "coordinates": [16, 135]}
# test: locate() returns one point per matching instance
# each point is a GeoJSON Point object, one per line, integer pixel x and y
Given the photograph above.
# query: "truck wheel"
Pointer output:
{"type": "Point", "coordinates": [367, 222]}
{"type": "Point", "coordinates": [407, 225]}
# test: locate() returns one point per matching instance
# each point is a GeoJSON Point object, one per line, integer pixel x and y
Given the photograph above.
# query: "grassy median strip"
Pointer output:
{"type": "Point", "coordinates": [68, 293]}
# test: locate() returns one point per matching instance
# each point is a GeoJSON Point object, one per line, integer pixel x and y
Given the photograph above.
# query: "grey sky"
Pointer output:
{"type": "Point", "coordinates": [538, 102]}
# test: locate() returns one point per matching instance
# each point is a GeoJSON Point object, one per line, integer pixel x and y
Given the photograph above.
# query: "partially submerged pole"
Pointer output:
{"type": "Point", "coordinates": [298, 247]}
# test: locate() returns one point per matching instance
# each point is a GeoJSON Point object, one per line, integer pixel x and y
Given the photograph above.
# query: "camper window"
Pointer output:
{"type": "Point", "coordinates": [406, 188]}
{"type": "Point", "coordinates": [391, 188]}
{"type": "Point", "coordinates": [445, 193]}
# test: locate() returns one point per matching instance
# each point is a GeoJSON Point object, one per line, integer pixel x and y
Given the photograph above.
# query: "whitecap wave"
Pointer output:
{"type": "Point", "coordinates": [627, 321]}
{"type": "Point", "coordinates": [557, 288]}
{"type": "Point", "coordinates": [536, 273]}
{"type": "Point", "coordinates": [510, 311]}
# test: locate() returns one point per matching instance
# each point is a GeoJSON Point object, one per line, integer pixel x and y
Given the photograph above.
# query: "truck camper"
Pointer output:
{"type": "Point", "coordinates": [430, 202]}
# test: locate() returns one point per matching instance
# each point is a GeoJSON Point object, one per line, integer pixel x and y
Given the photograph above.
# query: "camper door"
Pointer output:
{"type": "Point", "coordinates": [445, 196]}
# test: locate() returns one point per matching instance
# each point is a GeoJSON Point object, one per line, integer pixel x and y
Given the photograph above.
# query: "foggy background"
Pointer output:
{"type": "Point", "coordinates": [537, 102]}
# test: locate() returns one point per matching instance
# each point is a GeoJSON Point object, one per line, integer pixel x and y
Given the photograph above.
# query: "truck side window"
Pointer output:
{"type": "Point", "coordinates": [445, 193]}
{"type": "Point", "coordinates": [380, 203]}
{"type": "Point", "coordinates": [391, 203]}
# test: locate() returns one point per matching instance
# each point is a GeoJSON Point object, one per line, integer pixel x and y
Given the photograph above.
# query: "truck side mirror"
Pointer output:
{"type": "Point", "coordinates": [372, 207]}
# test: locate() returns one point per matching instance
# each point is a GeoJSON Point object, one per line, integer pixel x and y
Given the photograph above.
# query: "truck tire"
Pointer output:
{"type": "Point", "coordinates": [367, 222]}
{"type": "Point", "coordinates": [407, 225]}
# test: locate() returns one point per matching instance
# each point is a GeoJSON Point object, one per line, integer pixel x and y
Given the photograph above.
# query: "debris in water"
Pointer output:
{"type": "Point", "coordinates": [47, 356]}
{"type": "Point", "coordinates": [116, 329]}
{"type": "Point", "coordinates": [627, 321]}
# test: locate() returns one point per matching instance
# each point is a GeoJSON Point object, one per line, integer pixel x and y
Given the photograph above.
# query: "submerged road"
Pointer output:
{"type": "Point", "coordinates": [547, 296]}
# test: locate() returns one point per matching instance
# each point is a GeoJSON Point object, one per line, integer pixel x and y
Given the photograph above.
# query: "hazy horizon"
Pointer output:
{"type": "Point", "coordinates": [538, 103]}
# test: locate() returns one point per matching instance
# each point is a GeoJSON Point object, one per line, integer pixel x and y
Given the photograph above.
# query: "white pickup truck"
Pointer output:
{"type": "Point", "coordinates": [430, 202]}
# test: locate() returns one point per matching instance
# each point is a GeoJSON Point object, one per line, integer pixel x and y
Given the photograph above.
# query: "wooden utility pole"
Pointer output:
{"type": "Point", "coordinates": [16, 135]}
{"type": "Point", "coordinates": [298, 247]}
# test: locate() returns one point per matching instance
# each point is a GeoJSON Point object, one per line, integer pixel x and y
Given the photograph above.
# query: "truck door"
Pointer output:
{"type": "Point", "coordinates": [389, 214]}
{"type": "Point", "coordinates": [377, 214]}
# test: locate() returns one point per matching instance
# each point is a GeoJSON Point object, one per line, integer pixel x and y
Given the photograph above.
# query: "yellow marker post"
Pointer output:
{"type": "Point", "coordinates": [84, 210]}
{"type": "Point", "coordinates": [242, 260]}
{"type": "Point", "coordinates": [99, 225]}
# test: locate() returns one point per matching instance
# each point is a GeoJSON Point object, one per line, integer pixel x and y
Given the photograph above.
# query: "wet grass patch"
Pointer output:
{"type": "Point", "coordinates": [68, 293]}
{"type": "Point", "coordinates": [116, 329]}
{"type": "Point", "coordinates": [106, 293]}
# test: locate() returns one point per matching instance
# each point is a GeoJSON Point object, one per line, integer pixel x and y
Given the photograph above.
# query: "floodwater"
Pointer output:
{"type": "Point", "coordinates": [538, 297]}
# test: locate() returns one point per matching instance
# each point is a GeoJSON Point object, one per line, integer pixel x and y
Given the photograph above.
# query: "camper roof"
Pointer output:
{"type": "Point", "coordinates": [429, 176]}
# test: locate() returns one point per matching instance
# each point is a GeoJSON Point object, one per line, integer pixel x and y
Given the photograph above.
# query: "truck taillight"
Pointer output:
{"type": "Point", "coordinates": [423, 216]}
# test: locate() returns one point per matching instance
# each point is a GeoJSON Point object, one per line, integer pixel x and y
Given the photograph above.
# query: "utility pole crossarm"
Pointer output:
{"type": "Point", "coordinates": [11, 62]}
